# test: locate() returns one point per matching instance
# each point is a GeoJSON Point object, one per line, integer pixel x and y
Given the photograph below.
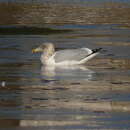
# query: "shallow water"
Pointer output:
{"type": "Point", "coordinates": [93, 96]}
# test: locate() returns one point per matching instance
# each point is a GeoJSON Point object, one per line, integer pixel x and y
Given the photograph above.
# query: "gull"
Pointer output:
{"type": "Point", "coordinates": [64, 57]}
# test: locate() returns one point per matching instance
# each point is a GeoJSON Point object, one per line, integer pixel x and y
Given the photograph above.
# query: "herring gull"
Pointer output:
{"type": "Point", "coordinates": [65, 57]}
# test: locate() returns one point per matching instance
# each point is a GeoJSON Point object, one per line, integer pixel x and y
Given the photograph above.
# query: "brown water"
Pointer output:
{"type": "Point", "coordinates": [93, 96]}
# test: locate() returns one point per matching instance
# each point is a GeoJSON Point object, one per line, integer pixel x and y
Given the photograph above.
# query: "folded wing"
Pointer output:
{"type": "Point", "coordinates": [72, 54]}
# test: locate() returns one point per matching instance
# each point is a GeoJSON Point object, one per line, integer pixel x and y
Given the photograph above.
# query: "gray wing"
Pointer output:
{"type": "Point", "coordinates": [72, 54]}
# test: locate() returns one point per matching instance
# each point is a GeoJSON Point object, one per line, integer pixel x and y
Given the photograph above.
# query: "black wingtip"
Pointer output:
{"type": "Point", "coordinates": [96, 50]}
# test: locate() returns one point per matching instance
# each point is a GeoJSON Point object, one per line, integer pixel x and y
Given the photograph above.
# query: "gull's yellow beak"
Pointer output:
{"type": "Point", "coordinates": [36, 50]}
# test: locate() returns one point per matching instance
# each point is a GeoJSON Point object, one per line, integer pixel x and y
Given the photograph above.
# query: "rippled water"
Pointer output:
{"type": "Point", "coordinates": [93, 96]}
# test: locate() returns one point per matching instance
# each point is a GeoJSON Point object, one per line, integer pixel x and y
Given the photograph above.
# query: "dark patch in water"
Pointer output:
{"type": "Point", "coordinates": [57, 88]}
{"type": "Point", "coordinates": [75, 83]}
{"type": "Point", "coordinates": [120, 82]}
{"type": "Point", "coordinates": [27, 30]}
{"type": "Point", "coordinates": [116, 82]}
{"type": "Point", "coordinates": [48, 81]}
{"type": "Point", "coordinates": [39, 98]}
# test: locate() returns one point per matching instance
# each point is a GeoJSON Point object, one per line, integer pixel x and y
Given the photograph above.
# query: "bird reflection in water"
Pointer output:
{"type": "Point", "coordinates": [78, 72]}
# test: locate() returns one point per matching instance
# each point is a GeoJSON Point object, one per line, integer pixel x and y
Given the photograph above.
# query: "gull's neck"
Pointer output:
{"type": "Point", "coordinates": [47, 53]}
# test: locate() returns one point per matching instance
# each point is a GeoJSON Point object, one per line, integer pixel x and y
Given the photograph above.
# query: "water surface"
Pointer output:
{"type": "Point", "coordinates": [93, 96]}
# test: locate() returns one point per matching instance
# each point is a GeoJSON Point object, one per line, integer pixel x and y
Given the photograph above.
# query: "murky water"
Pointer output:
{"type": "Point", "coordinates": [93, 96]}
